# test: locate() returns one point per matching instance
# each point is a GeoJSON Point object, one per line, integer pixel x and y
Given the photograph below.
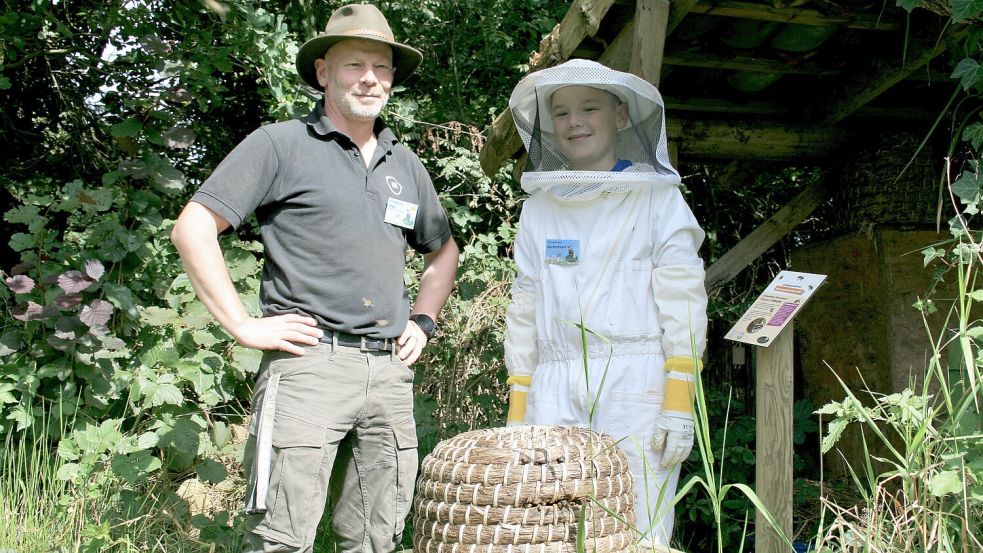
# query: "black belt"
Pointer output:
{"type": "Point", "coordinates": [356, 341]}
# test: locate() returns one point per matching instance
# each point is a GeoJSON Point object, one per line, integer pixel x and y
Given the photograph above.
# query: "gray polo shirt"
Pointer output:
{"type": "Point", "coordinates": [329, 252]}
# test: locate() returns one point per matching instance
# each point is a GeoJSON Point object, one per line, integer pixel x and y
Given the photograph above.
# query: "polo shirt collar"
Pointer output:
{"type": "Point", "coordinates": [322, 125]}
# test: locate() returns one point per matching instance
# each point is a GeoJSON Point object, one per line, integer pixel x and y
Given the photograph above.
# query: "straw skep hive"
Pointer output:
{"type": "Point", "coordinates": [521, 490]}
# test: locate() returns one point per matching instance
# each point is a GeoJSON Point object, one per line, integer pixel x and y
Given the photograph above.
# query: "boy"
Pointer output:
{"type": "Point", "coordinates": [601, 186]}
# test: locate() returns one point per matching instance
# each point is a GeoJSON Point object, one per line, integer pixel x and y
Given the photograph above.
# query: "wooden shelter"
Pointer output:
{"type": "Point", "coordinates": [802, 82]}
{"type": "Point", "coordinates": [748, 80]}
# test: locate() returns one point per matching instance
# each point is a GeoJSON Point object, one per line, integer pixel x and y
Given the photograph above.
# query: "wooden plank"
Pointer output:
{"type": "Point", "coordinates": [582, 20]}
{"type": "Point", "coordinates": [718, 105]}
{"type": "Point", "coordinates": [885, 73]}
{"type": "Point", "coordinates": [746, 63]}
{"type": "Point", "coordinates": [679, 10]}
{"type": "Point", "coordinates": [702, 140]}
{"type": "Point", "coordinates": [766, 235]}
{"type": "Point", "coordinates": [763, 140]}
{"type": "Point", "coordinates": [502, 143]}
{"type": "Point", "coordinates": [649, 40]}
{"type": "Point", "coordinates": [773, 440]}
{"type": "Point", "coordinates": [764, 12]}
{"type": "Point", "coordinates": [618, 54]}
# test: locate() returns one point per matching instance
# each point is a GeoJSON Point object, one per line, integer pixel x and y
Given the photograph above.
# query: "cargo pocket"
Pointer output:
{"type": "Point", "coordinates": [297, 456]}
{"type": "Point", "coordinates": [404, 433]}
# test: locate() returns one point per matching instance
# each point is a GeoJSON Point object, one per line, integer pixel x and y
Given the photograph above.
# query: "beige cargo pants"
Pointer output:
{"type": "Point", "coordinates": [335, 421]}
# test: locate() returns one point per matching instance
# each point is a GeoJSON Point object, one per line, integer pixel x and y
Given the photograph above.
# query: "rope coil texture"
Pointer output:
{"type": "Point", "coordinates": [522, 490]}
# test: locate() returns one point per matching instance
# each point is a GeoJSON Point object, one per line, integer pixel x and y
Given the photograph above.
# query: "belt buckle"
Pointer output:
{"type": "Point", "coordinates": [361, 344]}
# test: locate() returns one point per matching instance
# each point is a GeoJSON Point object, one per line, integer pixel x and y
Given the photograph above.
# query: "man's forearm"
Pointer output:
{"type": "Point", "coordinates": [437, 280]}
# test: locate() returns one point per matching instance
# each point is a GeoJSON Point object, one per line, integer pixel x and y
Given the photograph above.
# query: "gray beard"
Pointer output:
{"type": "Point", "coordinates": [350, 107]}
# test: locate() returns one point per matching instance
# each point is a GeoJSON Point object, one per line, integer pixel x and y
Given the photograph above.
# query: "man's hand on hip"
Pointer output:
{"type": "Point", "coordinates": [282, 332]}
{"type": "Point", "coordinates": [411, 343]}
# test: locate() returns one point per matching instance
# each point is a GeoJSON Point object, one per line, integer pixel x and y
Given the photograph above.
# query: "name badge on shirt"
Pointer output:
{"type": "Point", "coordinates": [400, 213]}
{"type": "Point", "coordinates": [562, 252]}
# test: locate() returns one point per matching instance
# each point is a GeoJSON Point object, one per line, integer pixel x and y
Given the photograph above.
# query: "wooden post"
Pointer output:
{"type": "Point", "coordinates": [651, 21]}
{"type": "Point", "coordinates": [773, 470]}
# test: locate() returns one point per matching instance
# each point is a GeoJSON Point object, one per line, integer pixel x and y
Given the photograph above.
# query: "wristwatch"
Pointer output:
{"type": "Point", "coordinates": [426, 324]}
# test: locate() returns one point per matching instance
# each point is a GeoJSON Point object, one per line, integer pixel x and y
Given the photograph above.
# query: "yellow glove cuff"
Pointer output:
{"type": "Point", "coordinates": [679, 396]}
{"type": "Point", "coordinates": [684, 365]}
{"type": "Point", "coordinates": [517, 406]}
{"type": "Point", "coordinates": [520, 379]}
{"type": "Point", "coordinates": [681, 383]}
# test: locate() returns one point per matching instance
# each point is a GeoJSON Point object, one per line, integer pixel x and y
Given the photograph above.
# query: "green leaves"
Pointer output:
{"type": "Point", "coordinates": [135, 467]}
{"type": "Point", "coordinates": [967, 186]}
{"type": "Point", "coordinates": [974, 135]}
{"type": "Point", "coordinates": [946, 482]}
{"type": "Point", "coordinates": [968, 71]}
{"type": "Point", "coordinates": [211, 471]}
{"type": "Point", "coordinates": [128, 128]}
{"type": "Point", "coordinates": [966, 9]}
{"type": "Point", "coordinates": [907, 5]}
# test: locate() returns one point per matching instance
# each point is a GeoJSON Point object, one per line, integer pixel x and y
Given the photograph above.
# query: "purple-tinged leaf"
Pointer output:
{"type": "Point", "coordinates": [30, 312]}
{"type": "Point", "coordinates": [20, 284]}
{"type": "Point", "coordinates": [94, 269]}
{"type": "Point", "coordinates": [74, 282]}
{"type": "Point", "coordinates": [49, 312]}
{"type": "Point", "coordinates": [67, 301]}
{"type": "Point", "coordinates": [112, 343]}
{"type": "Point", "coordinates": [96, 314]}
{"type": "Point", "coordinates": [99, 330]}
{"type": "Point", "coordinates": [178, 137]}
{"type": "Point", "coordinates": [178, 94]}
{"type": "Point", "coordinates": [21, 268]}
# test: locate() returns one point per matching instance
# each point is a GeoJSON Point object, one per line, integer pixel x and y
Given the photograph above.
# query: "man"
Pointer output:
{"type": "Point", "coordinates": [338, 199]}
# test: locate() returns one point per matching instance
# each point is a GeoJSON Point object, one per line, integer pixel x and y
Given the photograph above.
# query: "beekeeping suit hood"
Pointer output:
{"type": "Point", "coordinates": [642, 141]}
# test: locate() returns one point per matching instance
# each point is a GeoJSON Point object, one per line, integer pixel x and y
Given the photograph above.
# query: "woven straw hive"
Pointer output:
{"type": "Point", "coordinates": [521, 490]}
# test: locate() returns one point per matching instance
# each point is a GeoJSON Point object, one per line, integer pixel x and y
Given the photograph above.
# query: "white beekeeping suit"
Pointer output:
{"type": "Point", "coordinates": [616, 249]}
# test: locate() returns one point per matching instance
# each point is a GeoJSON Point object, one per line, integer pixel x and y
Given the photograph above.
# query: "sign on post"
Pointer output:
{"type": "Point", "coordinates": [762, 325]}
{"type": "Point", "coordinates": [774, 308]}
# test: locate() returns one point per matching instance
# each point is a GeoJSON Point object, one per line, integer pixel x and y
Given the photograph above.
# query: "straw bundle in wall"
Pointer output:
{"type": "Point", "coordinates": [522, 490]}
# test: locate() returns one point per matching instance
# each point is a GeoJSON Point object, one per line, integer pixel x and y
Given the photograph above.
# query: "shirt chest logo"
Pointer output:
{"type": "Point", "coordinates": [394, 186]}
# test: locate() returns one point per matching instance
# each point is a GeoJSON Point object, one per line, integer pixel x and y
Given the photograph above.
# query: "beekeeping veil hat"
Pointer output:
{"type": "Point", "coordinates": [642, 141]}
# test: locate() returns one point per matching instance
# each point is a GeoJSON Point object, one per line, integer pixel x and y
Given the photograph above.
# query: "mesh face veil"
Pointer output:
{"type": "Point", "coordinates": [641, 140]}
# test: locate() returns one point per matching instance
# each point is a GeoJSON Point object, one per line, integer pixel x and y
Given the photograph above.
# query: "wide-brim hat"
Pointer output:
{"type": "Point", "coordinates": [534, 92]}
{"type": "Point", "coordinates": [363, 21]}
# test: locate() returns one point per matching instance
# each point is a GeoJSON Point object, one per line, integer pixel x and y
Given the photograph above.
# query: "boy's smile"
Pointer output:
{"type": "Point", "coordinates": [586, 121]}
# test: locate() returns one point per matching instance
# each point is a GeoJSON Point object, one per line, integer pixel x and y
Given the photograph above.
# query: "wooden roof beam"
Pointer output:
{"type": "Point", "coordinates": [582, 20]}
{"type": "Point", "coordinates": [765, 236]}
{"type": "Point", "coordinates": [701, 140]}
{"type": "Point", "coordinates": [649, 39]}
{"type": "Point", "coordinates": [746, 63]}
{"type": "Point", "coordinates": [719, 105]}
{"type": "Point", "coordinates": [884, 73]}
{"type": "Point", "coordinates": [764, 12]}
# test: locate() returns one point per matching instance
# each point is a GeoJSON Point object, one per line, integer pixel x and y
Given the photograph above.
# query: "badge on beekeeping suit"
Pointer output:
{"type": "Point", "coordinates": [563, 252]}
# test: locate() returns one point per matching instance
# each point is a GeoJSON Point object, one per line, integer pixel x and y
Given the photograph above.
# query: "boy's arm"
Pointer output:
{"type": "Point", "coordinates": [521, 336]}
{"type": "Point", "coordinates": [678, 287]}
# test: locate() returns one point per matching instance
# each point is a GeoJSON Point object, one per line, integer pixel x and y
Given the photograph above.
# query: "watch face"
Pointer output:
{"type": "Point", "coordinates": [425, 323]}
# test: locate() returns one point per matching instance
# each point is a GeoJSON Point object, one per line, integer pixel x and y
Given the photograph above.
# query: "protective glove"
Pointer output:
{"type": "Point", "coordinates": [518, 396]}
{"type": "Point", "coordinates": [674, 437]}
{"type": "Point", "coordinates": [674, 429]}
